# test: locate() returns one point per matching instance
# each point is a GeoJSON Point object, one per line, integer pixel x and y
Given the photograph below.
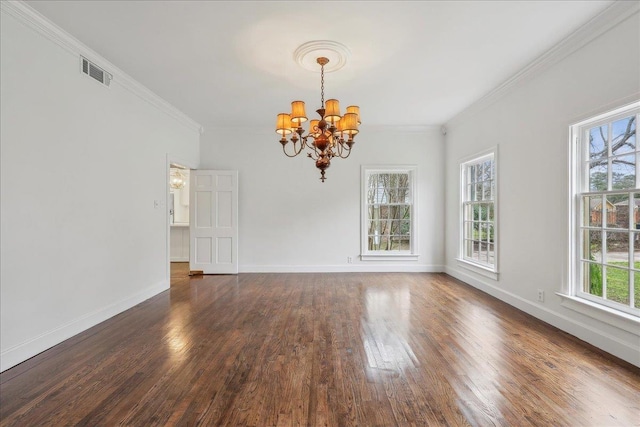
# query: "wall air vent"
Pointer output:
{"type": "Point", "coordinates": [92, 70]}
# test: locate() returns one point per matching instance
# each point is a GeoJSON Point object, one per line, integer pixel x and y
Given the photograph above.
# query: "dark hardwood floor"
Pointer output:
{"type": "Point", "coordinates": [321, 349]}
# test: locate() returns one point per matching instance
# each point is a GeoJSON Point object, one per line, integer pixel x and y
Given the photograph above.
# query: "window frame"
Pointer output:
{"type": "Point", "coordinates": [485, 269]}
{"type": "Point", "coordinates": [405, 255]}
{"type": "Point", "coordinates": [575, 297]}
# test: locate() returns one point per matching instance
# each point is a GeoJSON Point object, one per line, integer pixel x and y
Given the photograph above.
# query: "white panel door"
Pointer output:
{"type": "Point", "coordinates": [213, 221]}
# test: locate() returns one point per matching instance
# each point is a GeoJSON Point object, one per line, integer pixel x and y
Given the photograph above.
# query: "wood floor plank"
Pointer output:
{"type": "Point", "coordinates": [339, 349]}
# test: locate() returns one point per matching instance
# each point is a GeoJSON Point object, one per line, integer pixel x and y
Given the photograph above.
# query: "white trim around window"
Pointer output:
{"type": "Point", "coordinates": [478, 243]}
{"type": "Point", "coordinates": [389, 214]}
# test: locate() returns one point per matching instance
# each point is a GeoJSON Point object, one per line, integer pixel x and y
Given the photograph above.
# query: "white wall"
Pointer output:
{"type": "Point", "coordinates": [290, 221]}
{"type": "Point", "coordinates": [81, 167]}
{"type": "Point", "coordinates": [530, 125]}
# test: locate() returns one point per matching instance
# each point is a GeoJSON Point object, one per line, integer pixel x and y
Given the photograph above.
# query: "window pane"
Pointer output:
{"type": "Point", "coordinates": [623, 135]}
{"type": "Point", "coordinates": [636, 211]}
{"type": "Point", "coordinates": [492, 254]}
{"type": "Point", "coordinates": [617, 248]}
{"type": "Point", "coordinates": [374, 182]}
{"type": "Point", "coordinates": [488, 170]}
{"type": "Point", "coordinates": [371, 196]}
{"type": "Point", "coordinates": [384, 243]}
{"type": "Point", "coordinates": [476, 251]}
{"type": "Point", "coordinates": [405, 228]}
{"type": "Point", "coordinates": [484, 252]}
{"type": "Point", "coordinates": [618, 285]}
{"type": "Point", "coordinates": [371, 212]}
{"type": "Point", "coordinates": [487, 195]}
{"type": "Point", "coordinates": [484, 231]}
{"type": "Point", "coordinates": [479, 172]}
{"type": "Point", "coordinates": [392, 194]}
{"type": "Point", "coordinates": [383, 212]}
{"type": "Point", "coordinates": [490, 212]}
{"type": "Point", "coordinates": [471, 174]}
{"type": "Point", "coordinates": [370, 243]}
{"type": "Point", "coordinates": [593, 210]}
{"type": "Point", "coordinates": [623, 172]}
{"type": "Point", "coordinates": [405, 212]}
{"type": "Point", "coordinates": [617, 210]}
{"type": "Point", "coordinates": [593, 245]}
{"type": "Point", "coordinates": [479, 192]}
{"type": "Point", "coordinates": [467, 211]}
{"type": "Point", "coordinates": [636, 250]}
{"type": "Point", "coordinates": [593, 279]}
{"type": "Point", "coordinates": [598, 176]}
{"type": "Point", "coordinates": [636, 290]}
{"type": "Point", "coordinates": [468, 248]}
{"type": "Point", "coordinates": [598, 141]}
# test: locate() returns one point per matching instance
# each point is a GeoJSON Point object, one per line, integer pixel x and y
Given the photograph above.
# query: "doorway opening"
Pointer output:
{"type": "Point", "coordinates": [178, 205]}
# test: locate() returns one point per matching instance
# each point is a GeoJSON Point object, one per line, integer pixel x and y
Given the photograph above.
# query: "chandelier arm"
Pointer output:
{"type": "Point", "coordinates": [305, 140]}
{"type": "Point", "coordinates": [295, 152]}
{"type": "Point", "coordinates": [345, 150]}
{"type": "Point", "coordinates": [339, 148]}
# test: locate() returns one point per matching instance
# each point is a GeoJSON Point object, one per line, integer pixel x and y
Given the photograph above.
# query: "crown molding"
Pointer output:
{"type": "Point", "coordinates": [33, 19]}
{"type": "Point", "coordinates": [618, 12]}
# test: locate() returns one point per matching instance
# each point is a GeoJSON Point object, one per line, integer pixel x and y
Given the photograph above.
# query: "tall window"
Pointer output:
{"type": "Point", "coordinates": [388, 223]}
{"type": "Point", "coordinates": [607, 166]}
{"type": "Point", "coordinates": [479, 202]}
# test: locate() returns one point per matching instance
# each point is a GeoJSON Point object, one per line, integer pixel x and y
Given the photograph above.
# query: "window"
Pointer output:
{"type": "Point", "coordinates": [606, 210]}
{"type": "Point", "coordinates": [478, 245]}
{"type": "Point", "coordinates": [388, 223]}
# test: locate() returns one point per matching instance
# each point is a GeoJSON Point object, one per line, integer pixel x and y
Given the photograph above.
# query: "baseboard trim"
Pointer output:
{"type": "Point", "coordinates": [351, 268]}
{"type": "Point", "coordinates": [21, 352]}
{"type": "Point", "coordinates": [609, 344]}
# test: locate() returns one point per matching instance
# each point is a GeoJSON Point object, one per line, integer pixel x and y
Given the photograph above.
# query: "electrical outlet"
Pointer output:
{"type": "Point", "coordinates": [349, 260]}
{"type": "Point", "coordinates": [540, 295]}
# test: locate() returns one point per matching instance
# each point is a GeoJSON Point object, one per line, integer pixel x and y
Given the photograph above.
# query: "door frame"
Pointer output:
{"type": "Point", "coordinates": [171, 160]}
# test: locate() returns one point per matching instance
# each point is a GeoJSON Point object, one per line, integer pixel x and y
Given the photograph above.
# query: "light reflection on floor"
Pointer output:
{"type": "Point", "coordinates": [385, 327]}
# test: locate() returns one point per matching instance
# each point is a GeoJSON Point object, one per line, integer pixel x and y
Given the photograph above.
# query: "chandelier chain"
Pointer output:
{"type": "Point", "coordinates": [322, 86]}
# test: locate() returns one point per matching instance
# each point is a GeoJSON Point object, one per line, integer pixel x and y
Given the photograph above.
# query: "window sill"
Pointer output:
{"type": "Point", "coordinates": [602, 313]}
{"type": "Point", "coordinates": [478, 269]}
{"type": "Point", "coordinates": [389, 257]}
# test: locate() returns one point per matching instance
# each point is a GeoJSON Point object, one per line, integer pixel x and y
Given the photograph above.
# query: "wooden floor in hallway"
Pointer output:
{"type": "Point", "coordinates": [343, 349]}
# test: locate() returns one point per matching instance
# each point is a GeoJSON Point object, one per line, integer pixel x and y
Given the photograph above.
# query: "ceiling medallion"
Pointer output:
{"type": "Point", "coordinates": [306, 55]}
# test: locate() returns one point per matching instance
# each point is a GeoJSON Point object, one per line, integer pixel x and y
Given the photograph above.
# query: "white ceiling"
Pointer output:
{"type": "Point", "coordinates": [412, 63]}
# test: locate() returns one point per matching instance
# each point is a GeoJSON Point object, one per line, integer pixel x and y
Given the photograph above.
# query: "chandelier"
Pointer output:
{"type": "Point", "coordinates": [176, 179]}
{"type": "Point", "coordinates": [331, 136]}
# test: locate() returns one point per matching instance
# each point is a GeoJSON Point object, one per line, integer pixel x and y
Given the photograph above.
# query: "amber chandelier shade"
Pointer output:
{"type": "Point", "coordinates": [332, 135]}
